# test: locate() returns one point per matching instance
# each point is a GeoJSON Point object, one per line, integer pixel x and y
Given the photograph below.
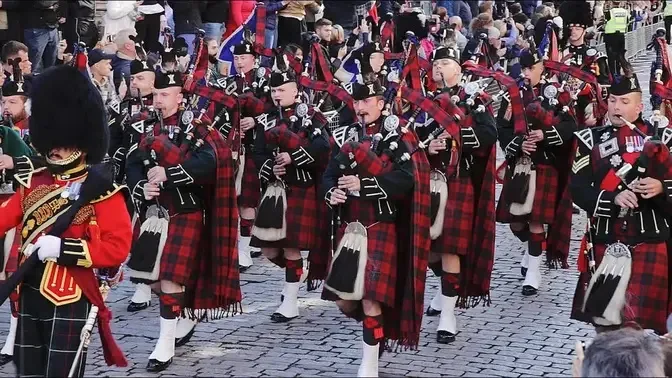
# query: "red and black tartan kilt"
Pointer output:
{"type": "Point", "coordinates": [302, 221]}
{"type": "Point", "coordinates": [183, 243]}
{"type": "Point", "coordinates": [545, 199]}
{"type": "Point", "coordinates": [458, 222]}
{"type": "Point", "coordinates": [380, 277]}
{"type": "Point", "coordinates": [647, 295]}
{"type": "Point", "coordinates": [250, 187]}
{"type": "Point", "coordinates": [48, 336]}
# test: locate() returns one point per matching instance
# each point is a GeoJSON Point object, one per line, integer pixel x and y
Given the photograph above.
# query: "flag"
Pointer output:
{"type": "Point", "coordinates": [225, 54]}
{"type": "Point", "coordinates": [350, 70]}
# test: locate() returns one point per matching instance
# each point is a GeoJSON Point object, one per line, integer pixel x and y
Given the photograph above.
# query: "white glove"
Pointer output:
{"type": "Point", "coordinates": [48, 247]}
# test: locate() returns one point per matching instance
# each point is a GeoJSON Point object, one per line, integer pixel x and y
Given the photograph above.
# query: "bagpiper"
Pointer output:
{"type": "Point", "coordinates": [538, 158]}
{"type": "Point", "coordinates": [462, 185]}
{"type": "Point", "coordinates": [181, 172]}
{"type": "Point", "coordinates": [379, 191]}
{"type": "Point", "coordinates": [16, 104]}
{"type": "Point", "coordinates": [291, 150]}
{"type": "Point", "coordinates": [622, 177]}
{"type": "Point", "coordinates": [70, 224]}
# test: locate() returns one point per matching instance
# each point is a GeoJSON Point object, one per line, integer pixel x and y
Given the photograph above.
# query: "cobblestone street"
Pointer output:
{"type": "Point", "coordinates": [515, 337]}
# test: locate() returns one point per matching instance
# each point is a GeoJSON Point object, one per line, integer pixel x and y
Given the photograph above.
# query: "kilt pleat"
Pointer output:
{"type": "Point", "coordinates": [545, 199]}
{"type": "Point", "coordinates": [250, 186]}
{"type": "Point", "coordinates": [183, 243]}
{"type": "Point", "coordinates": [48, 336]}
{"type": "Point", "coordinates": [459, 218]}
{"type": "Point", "coordinates": [380, 276]}
{"type": "Point", "coordinates": [648, 292]}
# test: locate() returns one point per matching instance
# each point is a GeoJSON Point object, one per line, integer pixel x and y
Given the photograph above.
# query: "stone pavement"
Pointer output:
{"type": "Point", "coordinates": [515, 337]}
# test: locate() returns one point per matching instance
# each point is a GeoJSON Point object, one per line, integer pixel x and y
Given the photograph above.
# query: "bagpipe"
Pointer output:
{"type": "Point", "coordinates": [606, 293]}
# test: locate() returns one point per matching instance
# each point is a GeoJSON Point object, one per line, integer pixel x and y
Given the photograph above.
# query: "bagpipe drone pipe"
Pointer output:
{"type": "Point", "coordinates": [660, 72]}
{"type": "Point", "coordinates": [606, 293]}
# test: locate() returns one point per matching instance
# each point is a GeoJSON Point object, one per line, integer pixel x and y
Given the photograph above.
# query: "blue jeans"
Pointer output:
{"type": "Point", "coordinates": [189, 38]}
{"type": "Point", "coordinates": [42, 47]}
{"type": "Point", "coordinates": [214, 30]}
{"type": "Point", "coordinates": [271, 37]}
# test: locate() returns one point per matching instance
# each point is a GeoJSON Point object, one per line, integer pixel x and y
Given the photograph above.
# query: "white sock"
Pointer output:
{"type": "Point", "coordinates": [142, 294]}
{"type": "Point", "coordinates": [369, 364]}
{"type": "Point", "coordinates": [165, 345]}
{"type": "Point", "coordinates": [447, 321]}
{"type": "Point", "coordinates": [436, 301]}
{"type": "Point", "coordinates": [8, 348]}
{"type": "Point", "coordinates": [525, 261]}
{"type": "Point", "coordinates": [533, 276]}
{"type": "Point", "coordinates": [290, 304]}
{"type": "Point", "coordinates": [244, 258]}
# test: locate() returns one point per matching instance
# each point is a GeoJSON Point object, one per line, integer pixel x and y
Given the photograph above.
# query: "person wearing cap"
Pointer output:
{"type": "Point", "coordinates": [297, 167]}
{"type": "Point", "coordinates": [577, 19]}
{"type": "Point", "coordinates": [101, 70]}
{"type": "Point", "coordinates": [56, 297]}
{"type": "Point", "coordinates": [187, 171]}
{"type": "Point", "coordinates": [461, 225]}
{"type": "Point", "coordinates": [375, 202]}
{"type": "Point", "coordinates": [544, 142]}
{"type": "Point", "coordinates": [126, 53]}
{"type": "Point", "coordinates": [626, 214]}
{"type": "Point", "coordinates": [16, 104]}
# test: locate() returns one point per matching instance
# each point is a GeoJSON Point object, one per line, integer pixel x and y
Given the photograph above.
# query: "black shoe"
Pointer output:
{"type": "Point", "coordinates": [134, 307]}
{"type": "Point", "coordinates": [529, 290]}
{"type": "Point", "coordinates": [445, 337]}
{"type": "Point", "coordinates": [523, 271]}
{"type": "Point", "coordinates": [279, 318]}
{"type": "Point", "coordinates": [432, 312]}
{"type": "Point", "coordinates": [243, 269]}
{"type": "Point", "coordinates": [155, 366]}
{"type": "Point", "coordinates": [5, 359]}
{"type": "Point", "coordinates": [255, 254]}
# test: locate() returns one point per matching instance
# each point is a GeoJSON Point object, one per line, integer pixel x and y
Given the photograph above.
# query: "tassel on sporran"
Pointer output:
{"type": "Point", "coordinates": [240, 170]}
{"type": "Point", "coordinates": [346, 273]}
{"type": "Point", "coordinates": [439, 195]}
{"type": "Point", "coordinates": [146, 253]}
{"type": "Point", "coordinates": [606, 293]}
{"type": "Point", "coordinates": [271, 222]}
{"type": "Point", "coordinates": [522, 186]}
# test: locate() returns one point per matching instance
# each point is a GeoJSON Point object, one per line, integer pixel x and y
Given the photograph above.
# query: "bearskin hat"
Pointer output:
{"type": "Point", "coordinates": [68, 112]}
{"type": "Point", "coordinates": [575, 13]}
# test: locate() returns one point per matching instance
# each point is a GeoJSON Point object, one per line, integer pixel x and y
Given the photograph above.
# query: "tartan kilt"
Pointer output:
{"type": "Point", "coordinates": [380, 277]}
{"type": "Point", "coordinates": [545, 199]}
{"type": "Point", "coordinates": [183, 243]}
{"type": "Point", "coordinates": [302, 221]}
{"type": "Point", "coordinates": [648, 291]}
{"type": "Point", "coordinates": [250, 192]}
{"type": "Point", "coordinates": [48, 336]}
{"type": "Point", "coordinates": [458, 221]}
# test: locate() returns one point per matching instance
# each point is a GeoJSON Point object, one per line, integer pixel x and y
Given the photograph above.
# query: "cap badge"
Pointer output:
{"type": "Point", "coordinates": [19, 87]}
{"type": "Point", "coordinates": [371, 90]}
{"type": "Point", "coordinates": [285, 77]}
{"type": "Point", "coordinates": [171, 79]}
{"type": "Point", "coordinates": [633, 84]}
{"type": "Point", "coordinates": [247, 48]}
{"type": "Point", "coordinates": [144, 65]}
{"type": "Point", "coordinates": [377, 46]}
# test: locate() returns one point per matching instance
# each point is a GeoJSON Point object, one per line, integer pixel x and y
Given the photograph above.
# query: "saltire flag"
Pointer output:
{"type": "Point", "coordinates": [225, 54]}
{"type": "Point", "coordinates": [350, 70]}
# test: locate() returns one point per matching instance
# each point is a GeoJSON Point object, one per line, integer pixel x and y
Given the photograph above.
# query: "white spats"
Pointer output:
{"type": "Point", "coordinates": [533, 276]}
{"type": "Point", "coordinates": [290, 303]}
{"type": "Point", "coordinates": [244, 258]}
{"type": "Point", "coordinates": [8, 348]}
{"type": "Point", "coordinates": [143, 293]}
{"type": "Point", "coordinates": [436, 301]}
{"type": "Point", "coordinates": [525, 260]}
{"type": "Point", "coordinates": [184, 326]}
{"type": "Point", "coordinates": [369, 365]}
{"type": "Point", "coordinates": [165, 345]}
{"type": "Point", "coordinates": [447, 321]}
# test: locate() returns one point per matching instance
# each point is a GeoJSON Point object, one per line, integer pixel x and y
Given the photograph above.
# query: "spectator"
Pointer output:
{"type": "Point", "coordinates": [120, 14]}
{"type": "Point", "coordinates": [12, 30]}
{"type": "Point", "coordinates": [540, 12]}
{"type": "Point", "coordinates": [624, 353]}
{"type": "Point", "coordinates": [482, 21]}
{"type": "Point", "coordinates": [514, 9]}
{"type": "Point", "coordinates": [312, 16]}
{"type": "Point", "coordinates": [342, 12]}
{"type": "Point", "coordinates": [187, 17]}
{"type": "Point", "coordinates": [598, 12]}
{"type": "Point", "coordinates": [486, 7]}
{"type": "Point", "coordinates": [295, 51]}
{"type": "Point", "coordinates": [148, 26]}
{"type": "Point", "coordinates": [40, 20]}
{"type": "Point", "coordinates": [456, 8]}
{"type": "Point", "coordinates": [80, 24]}
{"type": "Point", "coordinates": [214, 18]}
{"type": "Point", "coordinates": [238, 13]}
{"type": "Point", "coordinates": [121, 63]}
{"type": "Point", "coordinates": [13, 50]}
{"type": "Point", "coordinates": [291, 19]}
{"type": "Point", "coordinates": [272, 8]}
{"type": "Point", "coordinates": [324, 29]}
{"type": "Point", "coordinates": [99, 65]}
{"type": "Point", "coordinates": [528, 7]}
{"type": "Point", "coordinates": [460, 39]}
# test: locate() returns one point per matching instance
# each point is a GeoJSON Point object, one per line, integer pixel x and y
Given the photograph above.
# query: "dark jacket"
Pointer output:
{"type": "Point", "coordinates": [216, 11]}
{"type": "Point", "coordinates": [43, 14]}
{"type": "Point", "coordinates": [342, 12]}
{"type": "Point", "coordinates": [187, 15]}
{"type": "Point", "coordinates": [272, 8]}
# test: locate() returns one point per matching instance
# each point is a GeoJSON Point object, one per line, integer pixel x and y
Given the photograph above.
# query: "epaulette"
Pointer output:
{"type": "Point", "coordinates": [667, 136]}
{"type": "Point", "coordinates": [112, 191]}
{"type": "Point", "coordinates": [264, 121]}
{"type": "Point", "coordinates": [25, 175]}
{"type": "Point", "coordinates": [340, 135]}
{"type": "Point", "coordinates": [600, 55]}
{"type": "Point", "coordinates": [586, 136]}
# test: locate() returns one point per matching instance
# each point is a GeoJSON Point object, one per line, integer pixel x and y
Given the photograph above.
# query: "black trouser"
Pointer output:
{"type": "Point", "coordinates": [668, 23]}
{"type": "Point", "coordinates": [615, 46]}
{"type": "Point", "coordinates": [148, 31]}
{"type": "Point", "coordinates": [48, 336]}
{"type": "Point", "coordinates": [289, 31]}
